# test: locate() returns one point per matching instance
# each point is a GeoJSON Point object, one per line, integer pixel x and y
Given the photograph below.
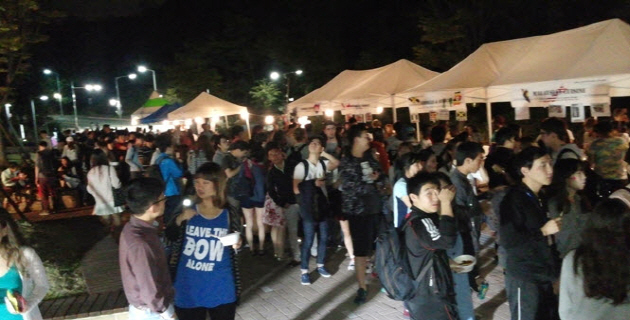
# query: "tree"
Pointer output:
{"type": "Point", "coordinates": [21, 22]}
{"type": "Point", "coordinates": [267, 95]}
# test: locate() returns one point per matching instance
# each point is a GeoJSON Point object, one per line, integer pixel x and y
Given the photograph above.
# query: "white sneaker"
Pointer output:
{"type": "Point", "coordinates": [44, 213]}
{"type": "Point", "coordinates": [351, 265]}
{"type": "Point", "coordinates": [368, 267]}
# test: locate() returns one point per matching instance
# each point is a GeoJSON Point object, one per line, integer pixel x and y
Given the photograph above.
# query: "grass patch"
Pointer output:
{"type": "Point", "coordinates": [61, 244]}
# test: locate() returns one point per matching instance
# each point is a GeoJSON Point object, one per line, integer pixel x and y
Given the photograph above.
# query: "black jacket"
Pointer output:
{"type": "Point", "coordinates": [280, 185]}
{"type": "Point", "coordinates": [529, 257]}
{"type": "Point", "coordinates": [502, 157]}
{"type": "Point", "coordinates": [427, 239]}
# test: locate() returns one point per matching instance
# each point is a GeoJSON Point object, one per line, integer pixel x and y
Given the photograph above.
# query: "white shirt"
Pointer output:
{"type": "Point", "coordinates": [315, 171]}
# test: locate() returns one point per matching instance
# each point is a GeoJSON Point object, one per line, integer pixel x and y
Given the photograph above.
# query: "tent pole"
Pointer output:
{"type": "Point", "coordinates": [489, 118]}
{"type": "Point", "coordinates": [394, 107]}
{"type": "Point", "coordinates": [249, 131]}
{"type": "Point", "coordinates": [418, 130]}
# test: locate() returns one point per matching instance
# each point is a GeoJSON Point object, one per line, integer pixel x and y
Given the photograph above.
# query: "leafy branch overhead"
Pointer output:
{"type": "Point", "coordinates": [266, 94]}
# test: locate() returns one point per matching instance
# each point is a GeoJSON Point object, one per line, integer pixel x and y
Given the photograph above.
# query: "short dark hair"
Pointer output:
{"type": "Point", "coordinates": [299, 134]}
{"type": "Point", "coordinates": [13, 165]}
{"type": "Point", "coordinates": [438, 133]}
{"type": "Point", "coordinates": [419, 180]}
{"type": "Point", "coordinates": [557, 126]}
{"type": "Point", "coordinates": [142, 193]}
{"type": "Point", "coordinates": [526, 158]}
{"type": "Point", "coordinates": [354, 132]}
{"type": "Point", "coordinates": [603, 128]}
{"type": "Point", "coordinates": [235, 131]}
{"type": "Point", "coordinates": [503, 135]}
{"type": "Point", "coordinates": [241, 145]}
{"type": "Point", "coordinates": [321, 139]}
{"type": "Point", "coordinates": [149, 138]}
{"type": "Point", "coordinates": [216, 140]}
{"type": "Point", "coordinates": [43, 144]}
{"type": "Point", "coordinates": [138, 135]}
{"type": "Point", "coordinates": [163, 141]}
{"type": "Point", "coordinates": [467, 150]}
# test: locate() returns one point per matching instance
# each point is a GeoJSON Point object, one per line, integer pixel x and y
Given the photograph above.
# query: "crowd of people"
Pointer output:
{"type": "Point", "coordinates": [559, 211]}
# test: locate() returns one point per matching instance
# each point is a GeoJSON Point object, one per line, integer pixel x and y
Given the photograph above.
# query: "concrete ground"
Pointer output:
{"type": "Point", "coordinates": [272, 290]}
{"type": "Point", "coordinates": [283, 297]}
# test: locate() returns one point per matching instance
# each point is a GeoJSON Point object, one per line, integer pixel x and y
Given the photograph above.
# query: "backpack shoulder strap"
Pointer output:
{"type": "Point", "coordinates": [305, 164]}
{"type": "Point", "coordinates": [323, 164]}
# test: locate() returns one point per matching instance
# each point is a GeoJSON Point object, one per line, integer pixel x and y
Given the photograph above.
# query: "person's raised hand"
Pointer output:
{"type": "Point", "coordinates": [447, 194]}
{"type": "Point", "coordinates": [552, 226]}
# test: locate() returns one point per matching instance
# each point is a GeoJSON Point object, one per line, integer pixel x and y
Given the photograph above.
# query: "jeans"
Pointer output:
{"type": "Point", "coordinates": [530, 301]}
{"type": "Point", "coordinates": [293, 218]}
{"type": "Point", "coordinates": [309, 235]}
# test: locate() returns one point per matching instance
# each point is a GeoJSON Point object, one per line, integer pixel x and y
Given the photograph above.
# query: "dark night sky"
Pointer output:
{"type": "Point", "coordinates": [245, 40]}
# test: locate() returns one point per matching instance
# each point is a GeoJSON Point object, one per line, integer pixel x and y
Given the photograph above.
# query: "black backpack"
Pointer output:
{"type": "Point", "coordinates": [295, 157]}
{"type": "Point", "coordinates": [241, 187]}
{"type": "Point", "coordinates": [392, 264]}
{"type": "Point", "coordinates": [314, 200]}
{"type": "Point", "coordinates": [154, 171]}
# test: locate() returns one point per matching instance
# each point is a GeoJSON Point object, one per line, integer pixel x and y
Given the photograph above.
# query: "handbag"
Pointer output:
{"type": "Point", "coordinates": [119, 196]}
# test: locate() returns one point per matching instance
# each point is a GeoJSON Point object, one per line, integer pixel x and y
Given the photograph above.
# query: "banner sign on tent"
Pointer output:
{"type": "Point", "coordinates": [521, 113]}
{"type": "Point", "coordinates": [577, 112]}
{"type": "Point", "coordinates": [550, 93]}
{"type": "Point", "coordinates": [557, 111]}
{"type": "Point", "coordinates": [443, 114]}
{"type": "Point", "coordinates": [433, 116]}
{"type": "Point", "coordinates": [600, 110]}
{"type": "Point", "coordinates": [435, 100]}
{"type": "Point", "coordinates": [461, 116]}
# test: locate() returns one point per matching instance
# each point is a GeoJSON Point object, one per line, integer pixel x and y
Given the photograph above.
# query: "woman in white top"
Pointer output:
{"type": "Point", "coordinates": [595, 278]}
{"type": "Point", "coordinates": [101, 179]}
{"type": "Point", "coordinates": [21, 271]}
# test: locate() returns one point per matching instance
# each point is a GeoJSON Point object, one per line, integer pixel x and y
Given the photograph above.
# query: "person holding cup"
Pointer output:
{"type": "Point", "coordinates": [206, 279]}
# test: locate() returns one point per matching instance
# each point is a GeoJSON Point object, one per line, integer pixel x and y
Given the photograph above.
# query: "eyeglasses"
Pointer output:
{"type": "Point", "coordinates": [156, 202]}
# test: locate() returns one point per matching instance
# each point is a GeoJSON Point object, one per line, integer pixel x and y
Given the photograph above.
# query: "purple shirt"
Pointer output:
{"type": "Point", "coordinates": [143, 267]}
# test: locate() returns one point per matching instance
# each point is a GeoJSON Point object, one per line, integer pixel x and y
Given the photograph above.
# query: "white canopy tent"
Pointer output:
{"type": "Point", "coordinates": [586, 65]}
{"type": "Point", "coordinates": [364, 91]}
{"type": "Point", "coordinates": [206, 105]}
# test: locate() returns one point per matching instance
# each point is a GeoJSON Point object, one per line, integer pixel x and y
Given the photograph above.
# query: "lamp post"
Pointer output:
{"type": "Point", "coordinates": [57, 94]}
{"type": "Point", "coordinates": [276, 75]}
{"type": "Point", "coordinates": [118, 104]}
{"type": "Point", "coordinates": [143, 69]}
{"type": "Point", "coordinates": [87, 87]}
{"type": "Point", "coordinates": [42, 98]}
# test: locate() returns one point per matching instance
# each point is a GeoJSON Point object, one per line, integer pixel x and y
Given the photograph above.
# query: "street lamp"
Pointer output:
{"type": "Point", "coordinates": [7, 110]}
{"type": "Point", "coordinates": [42, 98]}
{"type": "Point", "coordinates": [276, 75]}
{"type": "Point", "coordinates": [58, 93]}
{"type": "Point", "coordinates": [87, 87]}
{"type": "Point", "coordinates": [118, 105]}
{"type": "Point", "coordinates": [143, 69]}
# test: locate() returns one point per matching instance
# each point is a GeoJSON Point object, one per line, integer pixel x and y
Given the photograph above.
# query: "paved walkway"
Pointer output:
{"type": "Point", "coordinates": [283, 297]}
{"type": "Point", "coordinates": [272, 290]}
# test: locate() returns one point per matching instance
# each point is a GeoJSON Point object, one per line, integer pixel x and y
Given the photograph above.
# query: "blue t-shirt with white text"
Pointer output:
{"type": "Point", "coordinates": [204, 274]}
